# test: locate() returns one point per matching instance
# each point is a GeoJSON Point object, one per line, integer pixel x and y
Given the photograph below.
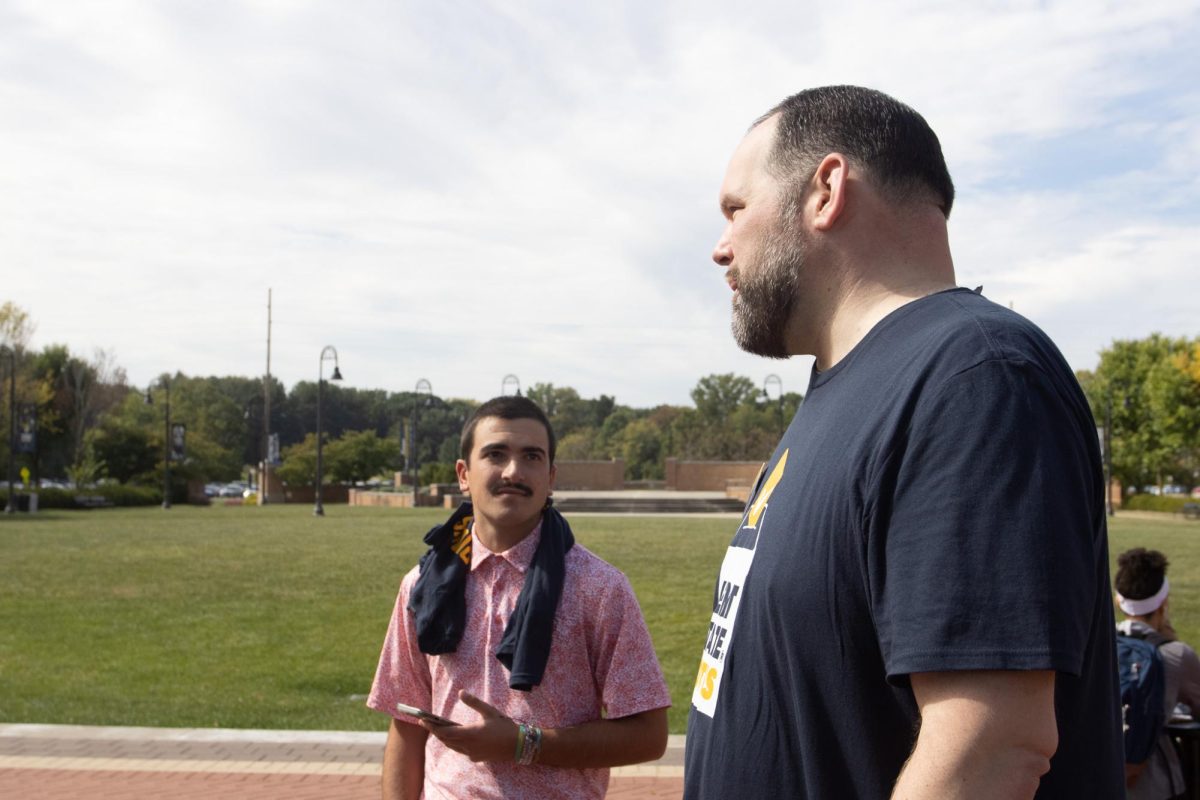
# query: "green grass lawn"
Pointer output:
{"type": "Point", "coordinates": [270, 618]}
{"type": "Point", "coordinates": [266, 617]}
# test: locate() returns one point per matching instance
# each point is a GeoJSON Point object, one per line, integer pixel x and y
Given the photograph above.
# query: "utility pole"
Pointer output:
{"type": "Point", "coordinates": [264, 476]}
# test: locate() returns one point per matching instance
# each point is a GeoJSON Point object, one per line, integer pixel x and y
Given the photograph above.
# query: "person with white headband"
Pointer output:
{"type": "Point", "coordinates": [1141, 593]}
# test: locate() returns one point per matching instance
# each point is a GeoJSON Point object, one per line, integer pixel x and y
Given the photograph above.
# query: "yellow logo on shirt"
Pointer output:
{"type": "Point", "coordinates": [764, 494]}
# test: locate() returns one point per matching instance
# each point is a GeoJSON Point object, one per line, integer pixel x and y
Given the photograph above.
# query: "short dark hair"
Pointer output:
{"type": "Point", "coordinates": [1140, 573]}
{"type": "Point", "coordinates": [890, 141]}
{"type": "Point", "coordinates": [505, 407]}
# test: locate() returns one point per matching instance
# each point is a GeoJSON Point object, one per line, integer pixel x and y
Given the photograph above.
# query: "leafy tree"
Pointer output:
{"type": "Point", "coordinates": [89, 389]}
{"type": "Point", "coordinates": [299, 465]}
{"type": "Point", "coordinates": [16, 328]}
{"type": "Point", "coordinates": [355, 456]}
{"type": "Point", "coordinates": [718, 396]}
{"type": "Point", "coordinates": [567, 411]}
{"type": "Point", "coordinates": [642, 450]}
{"type": "Point", "coordinates": [1148, 389]}
{"type": "Point", "coordinates": [437, 472]}
{"type": "Point", "coordinates": [359, 456]}
{"type": "Point", "coordinates": [578, 445]}
{"type": "Point", "coordinates": [88, 468]}
{"type": "Point", "coordinates": [123, 442]}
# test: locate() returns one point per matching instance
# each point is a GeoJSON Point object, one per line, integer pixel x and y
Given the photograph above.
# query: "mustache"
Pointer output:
{"type": "Point", "coordinates": [500, 486]}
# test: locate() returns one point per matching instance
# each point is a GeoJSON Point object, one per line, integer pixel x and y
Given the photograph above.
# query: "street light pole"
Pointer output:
{"type": "Point", "coordinates": [149, 400]}
{"type": "Point", "coordinates": [773, 378]}
{"type": "Point", "coordinates": [327, 353]}
{"type": "Point", "coordinates": [423, 386]}
{"type": "Point", "coordinates": [167, 455]}
{"type": "Point", "coordinates": [11, 508]}
{"type": "Point", "coordinates": [507, 380]}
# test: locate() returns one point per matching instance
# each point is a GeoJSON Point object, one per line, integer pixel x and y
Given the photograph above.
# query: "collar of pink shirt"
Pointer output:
{"type": "Point", "coordinates": [519, 555]}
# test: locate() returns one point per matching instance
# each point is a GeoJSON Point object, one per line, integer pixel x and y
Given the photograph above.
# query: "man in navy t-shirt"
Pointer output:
{"type": "Point", "coordinates": [915, 603]}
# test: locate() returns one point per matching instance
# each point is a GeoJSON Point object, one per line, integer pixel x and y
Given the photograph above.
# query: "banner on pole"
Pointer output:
{"type": "Point", "coordinates": [27, 428]}
{"type": "Point", "coordinates": [178, 436]}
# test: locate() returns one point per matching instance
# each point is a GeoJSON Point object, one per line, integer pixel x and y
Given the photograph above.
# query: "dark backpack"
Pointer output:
{"type": "Point", "coordinates": [1143, 684]}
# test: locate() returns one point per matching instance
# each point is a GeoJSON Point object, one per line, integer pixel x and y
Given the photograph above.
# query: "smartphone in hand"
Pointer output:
{"type": "Point", "coordinates": [421, 713]}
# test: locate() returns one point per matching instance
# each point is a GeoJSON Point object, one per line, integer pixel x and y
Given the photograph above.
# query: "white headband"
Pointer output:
{"type": "Point", "coordinates": [1148, 605]}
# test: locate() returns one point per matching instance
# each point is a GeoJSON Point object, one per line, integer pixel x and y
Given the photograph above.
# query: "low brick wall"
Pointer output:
{"type": "Point", "coordinates": [368, 497]}
{"type": "Point", "coordinates": [710, 476]}
{"type": "Point", "coordinates": [363, 497]}
{"type": "Point", "coordinates": [596, 476]}
{"type": "Point", "coordinates": [330, 493]}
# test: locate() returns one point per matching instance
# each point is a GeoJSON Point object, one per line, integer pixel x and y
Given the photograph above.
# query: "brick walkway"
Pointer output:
{"type": "Point", "coordinates": [65, 762]}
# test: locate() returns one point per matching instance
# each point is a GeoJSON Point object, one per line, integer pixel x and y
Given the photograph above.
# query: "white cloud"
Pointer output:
{"type": "Point", "coordinates": [459, 190]}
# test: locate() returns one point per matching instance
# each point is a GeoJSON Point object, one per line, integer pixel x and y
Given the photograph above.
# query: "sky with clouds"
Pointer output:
{"type": "Point", "coordinates": [458, 191]}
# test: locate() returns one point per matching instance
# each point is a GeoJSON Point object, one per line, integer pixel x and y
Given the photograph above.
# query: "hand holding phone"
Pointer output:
{"type": "Point", "coordinates": [422, 714]}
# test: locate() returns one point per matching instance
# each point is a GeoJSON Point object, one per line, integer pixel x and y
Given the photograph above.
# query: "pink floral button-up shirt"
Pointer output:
{"type": "Point", "coordinates": [602, 663]}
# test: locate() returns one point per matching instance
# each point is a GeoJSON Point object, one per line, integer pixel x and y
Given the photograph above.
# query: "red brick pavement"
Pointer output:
{"type": "Point", "coordinates": [54, 784]}
{"type": "Point", "coordinates": [70, 762]}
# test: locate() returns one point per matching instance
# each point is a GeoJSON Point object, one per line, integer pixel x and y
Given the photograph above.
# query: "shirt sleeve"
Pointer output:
{"type": "Point", "coordinates": [984, 548]}
{"type": "Point", "coordinates": [627, 672]}
{"type": "Point", "coordinates": [403, 672]}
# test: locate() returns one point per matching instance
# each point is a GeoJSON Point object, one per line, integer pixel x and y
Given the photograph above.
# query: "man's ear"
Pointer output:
{"type": "Point", "coordinates": [460, 469]}
{"type": "Point", "coordinates": [830, 184]}
{"type": "Point", "coordinates": [553, 475]}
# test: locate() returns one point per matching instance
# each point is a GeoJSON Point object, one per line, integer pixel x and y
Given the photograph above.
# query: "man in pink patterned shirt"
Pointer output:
{"type": "Point", "coordinates": [597, 697]}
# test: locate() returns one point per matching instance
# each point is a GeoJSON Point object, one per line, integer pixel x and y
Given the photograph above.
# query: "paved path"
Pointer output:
{"type": "Point", "coordinates": [65, 762]}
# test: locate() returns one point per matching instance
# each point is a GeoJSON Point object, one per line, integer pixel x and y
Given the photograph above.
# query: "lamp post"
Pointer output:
{"type": "Point", "coordinates": [327, 353]}
{"type": "Point", "coordinates": [11, 508]}
{"type": "Point", "coordinates": [166, 382]}
{"type": "Point", "coordinates": [423, 387]}
{"type": "Point", "coordinates": [773, 378]}
{"type": "Point", "coordinates": [506, 381]}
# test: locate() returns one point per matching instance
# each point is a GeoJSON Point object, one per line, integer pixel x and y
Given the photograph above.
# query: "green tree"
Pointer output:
{"type": "Point", "coordinates": [718, 396]}
{"type": "Point", "coordinates": [578, 445]}
{"type": "Point", "coordinates": [1148, 390]}
{"type": "Point", "coordinates": [567, 411]}
{"type": "Point", "coordinates": [123, 441]}
{"type": "Point", "coordinates": [299, 465]}
{"type": "Point", "coordinates": [437, 472]}
{"type": "Point", "coordinates": [642, 450]}
{"type": "Point", "coordinates": [359, 456]}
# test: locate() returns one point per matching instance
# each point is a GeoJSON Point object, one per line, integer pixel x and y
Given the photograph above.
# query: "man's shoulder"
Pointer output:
{"type": "Point", "coordinates": [971, 323]}
{"type": "Point", "coordinates": [590, 576]}
{"type": "Point", "coordinates": [952, 333]}
{"type": "Point", "coordinates": [583, 563]}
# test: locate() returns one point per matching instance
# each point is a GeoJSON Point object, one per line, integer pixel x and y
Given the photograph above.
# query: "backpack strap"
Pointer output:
{"type": "Point", "coordinates": [1148, 635]}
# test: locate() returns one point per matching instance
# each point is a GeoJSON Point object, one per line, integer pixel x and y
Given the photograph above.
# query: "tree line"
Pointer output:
{"type": "Point", "coordinates": [92, 425]}
{"type": "Point", "coordinates": [1147, 392]}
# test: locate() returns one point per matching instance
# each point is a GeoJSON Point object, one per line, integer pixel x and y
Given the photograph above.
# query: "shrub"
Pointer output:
{"type": "Point", "coordinates": [56, 498]}
{"type": "Point", "coordinates": [120, 494]}
{"type": "Point", "coordinates": [113, 494]}
{"type": "Point", "coordinates": [1151, 502]}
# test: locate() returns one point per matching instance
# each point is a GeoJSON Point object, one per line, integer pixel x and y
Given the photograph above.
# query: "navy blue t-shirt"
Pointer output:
{"type": "Point", "coordinates": [936, 504]}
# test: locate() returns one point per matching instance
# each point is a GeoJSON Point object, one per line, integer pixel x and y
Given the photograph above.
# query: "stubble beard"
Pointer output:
{"type": "Point", "coordinates": [766, 295]}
